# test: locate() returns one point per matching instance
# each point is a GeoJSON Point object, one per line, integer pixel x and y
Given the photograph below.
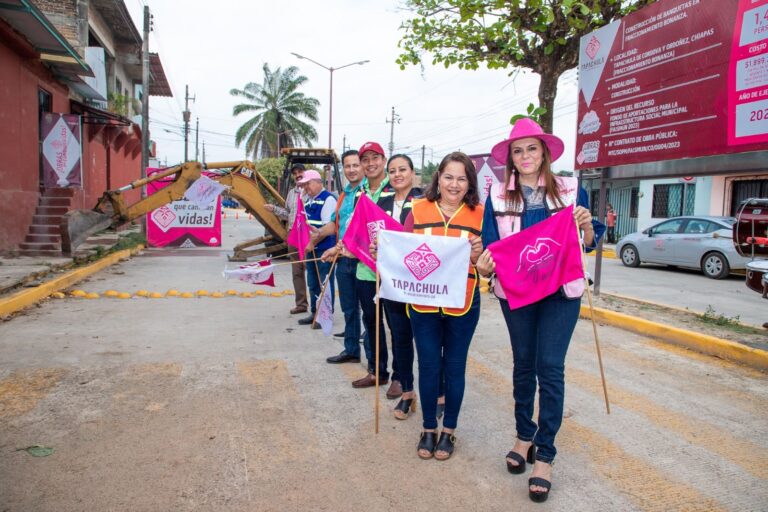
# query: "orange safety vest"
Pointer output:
{"type": "Point", "coordinates": [429, 220]}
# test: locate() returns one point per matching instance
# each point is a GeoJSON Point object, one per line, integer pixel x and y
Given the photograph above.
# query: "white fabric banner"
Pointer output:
{"type": "Point", "coordinates": [423, 269]}
{"type": "Point", "coordinates": [203, 191]}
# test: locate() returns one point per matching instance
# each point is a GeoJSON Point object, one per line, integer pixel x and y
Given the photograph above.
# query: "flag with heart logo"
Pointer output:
{"type": "Point", "coordinates": [367, 220]}
{"type": "Point", "coordinates": [423, 269]}
{"type": "Point", "coordinates": [299, 235]}
{"type": "Point", "coordinates": [537, 261]}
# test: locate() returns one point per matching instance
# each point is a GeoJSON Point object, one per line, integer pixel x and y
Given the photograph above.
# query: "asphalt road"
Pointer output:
{"type": "Point", "coordinates": [227, 404]}
{"type": "Point", "coordinates": [684, 288]}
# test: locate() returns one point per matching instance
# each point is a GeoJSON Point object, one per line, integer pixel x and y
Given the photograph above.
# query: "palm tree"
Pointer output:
{"type": "Point", "coordinates": [278, 107]}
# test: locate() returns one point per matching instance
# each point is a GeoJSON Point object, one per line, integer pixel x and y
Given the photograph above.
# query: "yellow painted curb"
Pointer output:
{"type": "Point", "coordinates": [607, 253]}
{"type": "Point", "coordinates": [27, 297]}
{"type": "Point", "coordinates": [703, 343]}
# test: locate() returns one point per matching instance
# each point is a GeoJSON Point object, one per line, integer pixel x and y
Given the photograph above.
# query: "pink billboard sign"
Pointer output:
{"type": "Point", "coordinates": [62, 151]}
{"type": "Point", "coordinates": [676, 79]}
{"type": "Point", "coordinates": [489, 171]}
{"type": "Point", "coordinates": [182, 223]}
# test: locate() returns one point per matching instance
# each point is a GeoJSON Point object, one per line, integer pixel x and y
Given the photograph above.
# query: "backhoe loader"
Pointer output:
{"type": "Point", "coordinates": [241, 178]}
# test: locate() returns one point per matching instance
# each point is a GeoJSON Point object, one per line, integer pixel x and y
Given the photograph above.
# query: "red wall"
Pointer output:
{"type": "Point", "coordinates": [21, 75]}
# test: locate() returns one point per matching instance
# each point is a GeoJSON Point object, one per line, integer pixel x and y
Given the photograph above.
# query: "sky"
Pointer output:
{"type": "Point", "coordinates": [215, 47]}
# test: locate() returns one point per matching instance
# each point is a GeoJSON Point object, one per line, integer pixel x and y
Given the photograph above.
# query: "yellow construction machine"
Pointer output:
{"type": "Point", "coordinates": [243, 181]}
{"type": "Point", "coordinates": [241, 178]}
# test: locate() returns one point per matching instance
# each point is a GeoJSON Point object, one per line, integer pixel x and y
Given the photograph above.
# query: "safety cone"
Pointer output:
{"type": "Point", "coordinates": [237, 215]}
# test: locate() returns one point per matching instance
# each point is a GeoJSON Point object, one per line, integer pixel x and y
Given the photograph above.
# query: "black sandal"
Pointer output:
{"type": "Point", "coordinates": [520, 467]}
{"type": "Point", "coordinates": [539, 496]}
{"type": "Point", "coordinates": [427, 443]}
{"type": "Point", "coordinates": [446, 444]}
{"type": "Point", "coordinates": [404, 407]}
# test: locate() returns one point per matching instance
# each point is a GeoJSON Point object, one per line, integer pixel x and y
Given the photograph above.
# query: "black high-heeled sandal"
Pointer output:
{"type": "Point", "coordinates": [446, 444]}
{"type": "Point", "coordinates": [520, 467]}
{"type": "Point", "coordinates": [404, 407]}
{"type": "Point", "coordinates": [427, 443]}
{"type": "Point", "coordinates": [539, 496]}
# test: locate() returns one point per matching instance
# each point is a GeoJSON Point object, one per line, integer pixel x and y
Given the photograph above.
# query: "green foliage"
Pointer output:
{"type": "Point", "coordinates": [539, 35]}
{"type": "Point", "coordinates": [710, 316]}
{"type": "Point", "coordinates": [278, 110]}
{"type": "Point", "coordinates": [118, 104]}
{"type": "Point", "coordinates": [534, 113]}
{"type": "Point", "coordinates": [271, 169]}
{"type": "Point", "coordinates": [427, 172]}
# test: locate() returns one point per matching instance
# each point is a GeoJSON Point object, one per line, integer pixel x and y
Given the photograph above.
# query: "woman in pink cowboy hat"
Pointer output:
{"type": "Point", "coordinates": [540, 332]}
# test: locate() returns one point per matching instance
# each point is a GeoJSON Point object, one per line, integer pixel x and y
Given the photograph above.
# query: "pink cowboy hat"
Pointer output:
{"type": "Point", "coordinates": [523, 129]}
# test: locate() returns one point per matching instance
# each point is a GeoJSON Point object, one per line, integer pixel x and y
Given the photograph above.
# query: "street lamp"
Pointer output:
{"type": "Point", "coordinates": [330, 102]}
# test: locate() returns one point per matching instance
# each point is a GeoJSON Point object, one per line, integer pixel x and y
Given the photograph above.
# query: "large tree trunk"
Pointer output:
{"type": "Point", "coordinates": [547, 93]}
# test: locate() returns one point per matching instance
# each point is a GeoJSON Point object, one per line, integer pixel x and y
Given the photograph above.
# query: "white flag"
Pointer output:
{"type": "Point", "coordinates": [203, 191]}
{"type": "Point", "coordinates": [260, 272]}
{"type": "Point", "coordinates": [325, 309]}
{"type": "Point", "coordinates": [423, 269]}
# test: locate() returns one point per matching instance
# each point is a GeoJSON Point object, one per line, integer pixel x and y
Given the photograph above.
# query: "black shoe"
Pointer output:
{"type": "Point", "coordinates": [520, 467]}
{"type": "Point", "coordinates": [446, 444]}
{"type": "Point", "coordinates": [539, 496]}
{"type": "Point", "coordinates": [316, 326]}
{"type": "Point", "coordinates": [339, 335]}
{"type": "Point", "coordinates": [427, 443]}
{"type": "Point", "coordinates": [307, 320]}
{"type": "Point", "coordinates": [343, 358]}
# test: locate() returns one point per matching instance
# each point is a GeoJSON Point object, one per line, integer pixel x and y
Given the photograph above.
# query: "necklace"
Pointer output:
{"type": "Point", "coordinates": [448, 210]}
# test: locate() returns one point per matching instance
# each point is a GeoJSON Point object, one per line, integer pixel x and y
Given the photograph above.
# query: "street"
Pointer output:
{"type": "Point", "coordinates": [684, 288]}
{"type": "Point", "coordinates": [228, 404]}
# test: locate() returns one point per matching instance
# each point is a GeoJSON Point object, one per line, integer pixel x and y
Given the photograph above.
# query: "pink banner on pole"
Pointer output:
{"type": "Point", "coordinates": [62, 163]}
{"type": "Point", "coordinates": [537, 261]}
{"type": "Point", "coordinates": [298, 236]}
{"type": "Point", "coordinates": [182, 223]}
{"type": "Point", "coordinates": [364, 227]}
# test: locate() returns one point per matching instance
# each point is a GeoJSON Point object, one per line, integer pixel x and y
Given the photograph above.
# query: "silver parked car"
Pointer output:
{"type": "Point", "coordinates": [702, 242]}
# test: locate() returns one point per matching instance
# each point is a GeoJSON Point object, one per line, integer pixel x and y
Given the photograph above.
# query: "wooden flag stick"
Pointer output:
{"type": "Point", "coordinates": [325, 287]}
{"type": "Point", "coordinates": [377, 350]}
{"type": "Point", "coordinates": [592, 317]}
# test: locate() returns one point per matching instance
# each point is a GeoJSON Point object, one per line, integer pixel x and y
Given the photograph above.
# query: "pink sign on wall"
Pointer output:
{"type": "Point", "coordinates": [676, 79]}
{"type": "Point", "coordinates": [182, 223]}
{"type": "Point", "coordinates": [61, 136]}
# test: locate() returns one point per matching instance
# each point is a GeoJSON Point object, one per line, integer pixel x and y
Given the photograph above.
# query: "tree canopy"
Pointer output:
{"type": "Point", "coordinates": [540, 35]}
{"type": "Point", "coordinates": [279, 110]}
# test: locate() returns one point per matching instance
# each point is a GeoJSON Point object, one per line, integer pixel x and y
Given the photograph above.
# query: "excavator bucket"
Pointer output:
{"type": "Point", "coordinates": [78, 225]}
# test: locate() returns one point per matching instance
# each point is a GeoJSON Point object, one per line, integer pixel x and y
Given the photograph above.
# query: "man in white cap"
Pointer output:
{"type": "Point", "coordinates": [289, 214]}
{"type": "Point", "coordinates": [320, 206]}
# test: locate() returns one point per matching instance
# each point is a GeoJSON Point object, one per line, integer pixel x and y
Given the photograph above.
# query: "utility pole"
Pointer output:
{"type": "Point", "coordinates": [145, 98]}
{"type": "Point", "coordinates": [395, 119]}
{"type": "Point", "coordinates": [344, 144]}
{"type": "Point", "coordinates": [203, 152]}
{"type": "Point", "coordinates": [186, 122]}
{"type": "Point", "coordinates": [197, 134]}
{"type": "Point", "coordinates": [423, 149]}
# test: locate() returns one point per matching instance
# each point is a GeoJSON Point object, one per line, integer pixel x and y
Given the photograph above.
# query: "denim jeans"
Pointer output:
{"type": "Point", "coordinates": [315, 286]}
{"type": "Point", "coordinates": [345, 278]}
{"type": "Point", "coordinates": [540, 334]}
{"type": "Point", "coordinates": [366, 291]}
{"type": "Point", "coordinates": [402, 343]}
{"type": "Point", "coordinates": [442, 342]}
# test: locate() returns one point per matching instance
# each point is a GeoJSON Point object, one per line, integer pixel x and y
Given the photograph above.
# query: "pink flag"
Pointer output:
{"type": "Point", "coordinates": [299, 234]}
{"type": "Point", "coordinates": [535, 262]}
{"type": "Point", "coordinates": [364, 227]}
{"type": "Point", "coordinates": [261, 272]}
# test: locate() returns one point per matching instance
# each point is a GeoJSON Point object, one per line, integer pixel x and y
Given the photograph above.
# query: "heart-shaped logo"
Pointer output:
{"type": "Point", "coordinates": [163, 217]}
{"type": "Point", "coordinates": [422, 262]}
{"type": "Point", "coordinates": [535, 254]}
{"type": "Point", "coordinates": [538, 253]}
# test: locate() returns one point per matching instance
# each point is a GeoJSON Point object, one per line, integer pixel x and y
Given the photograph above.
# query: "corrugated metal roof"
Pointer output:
{"type": "Point", "coordinates": [158, 83]}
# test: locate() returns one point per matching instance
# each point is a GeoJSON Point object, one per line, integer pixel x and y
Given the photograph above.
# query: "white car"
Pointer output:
{"type": "Point", "coordinates": [702, 242]}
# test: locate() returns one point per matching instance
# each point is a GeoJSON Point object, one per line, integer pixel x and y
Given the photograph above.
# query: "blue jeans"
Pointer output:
{"type": "Point", "coordinates": [540, 334]}
{"type": "Point", "coordinates": [345, 278]}
{"type": "Point", "coordinates": [315, 286]}
{"type": "Point", "coordinates": [442, 342]}
{"type": "Point", "coordinates": [366, 291]}
{"type": "Point", "coordinates": [402, 343]}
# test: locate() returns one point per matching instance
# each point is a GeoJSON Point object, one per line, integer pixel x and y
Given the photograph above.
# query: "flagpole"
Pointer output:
{"type": "Point", "coordinates": [325, 287]}
{"type": "Point", "coordinates": [377, 349]}
{"type": "Point", "coordinates": [592, 317]}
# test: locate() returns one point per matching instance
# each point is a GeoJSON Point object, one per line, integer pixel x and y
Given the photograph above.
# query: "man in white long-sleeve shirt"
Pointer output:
{"type": "Point", "coordinates": [289, 213]}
